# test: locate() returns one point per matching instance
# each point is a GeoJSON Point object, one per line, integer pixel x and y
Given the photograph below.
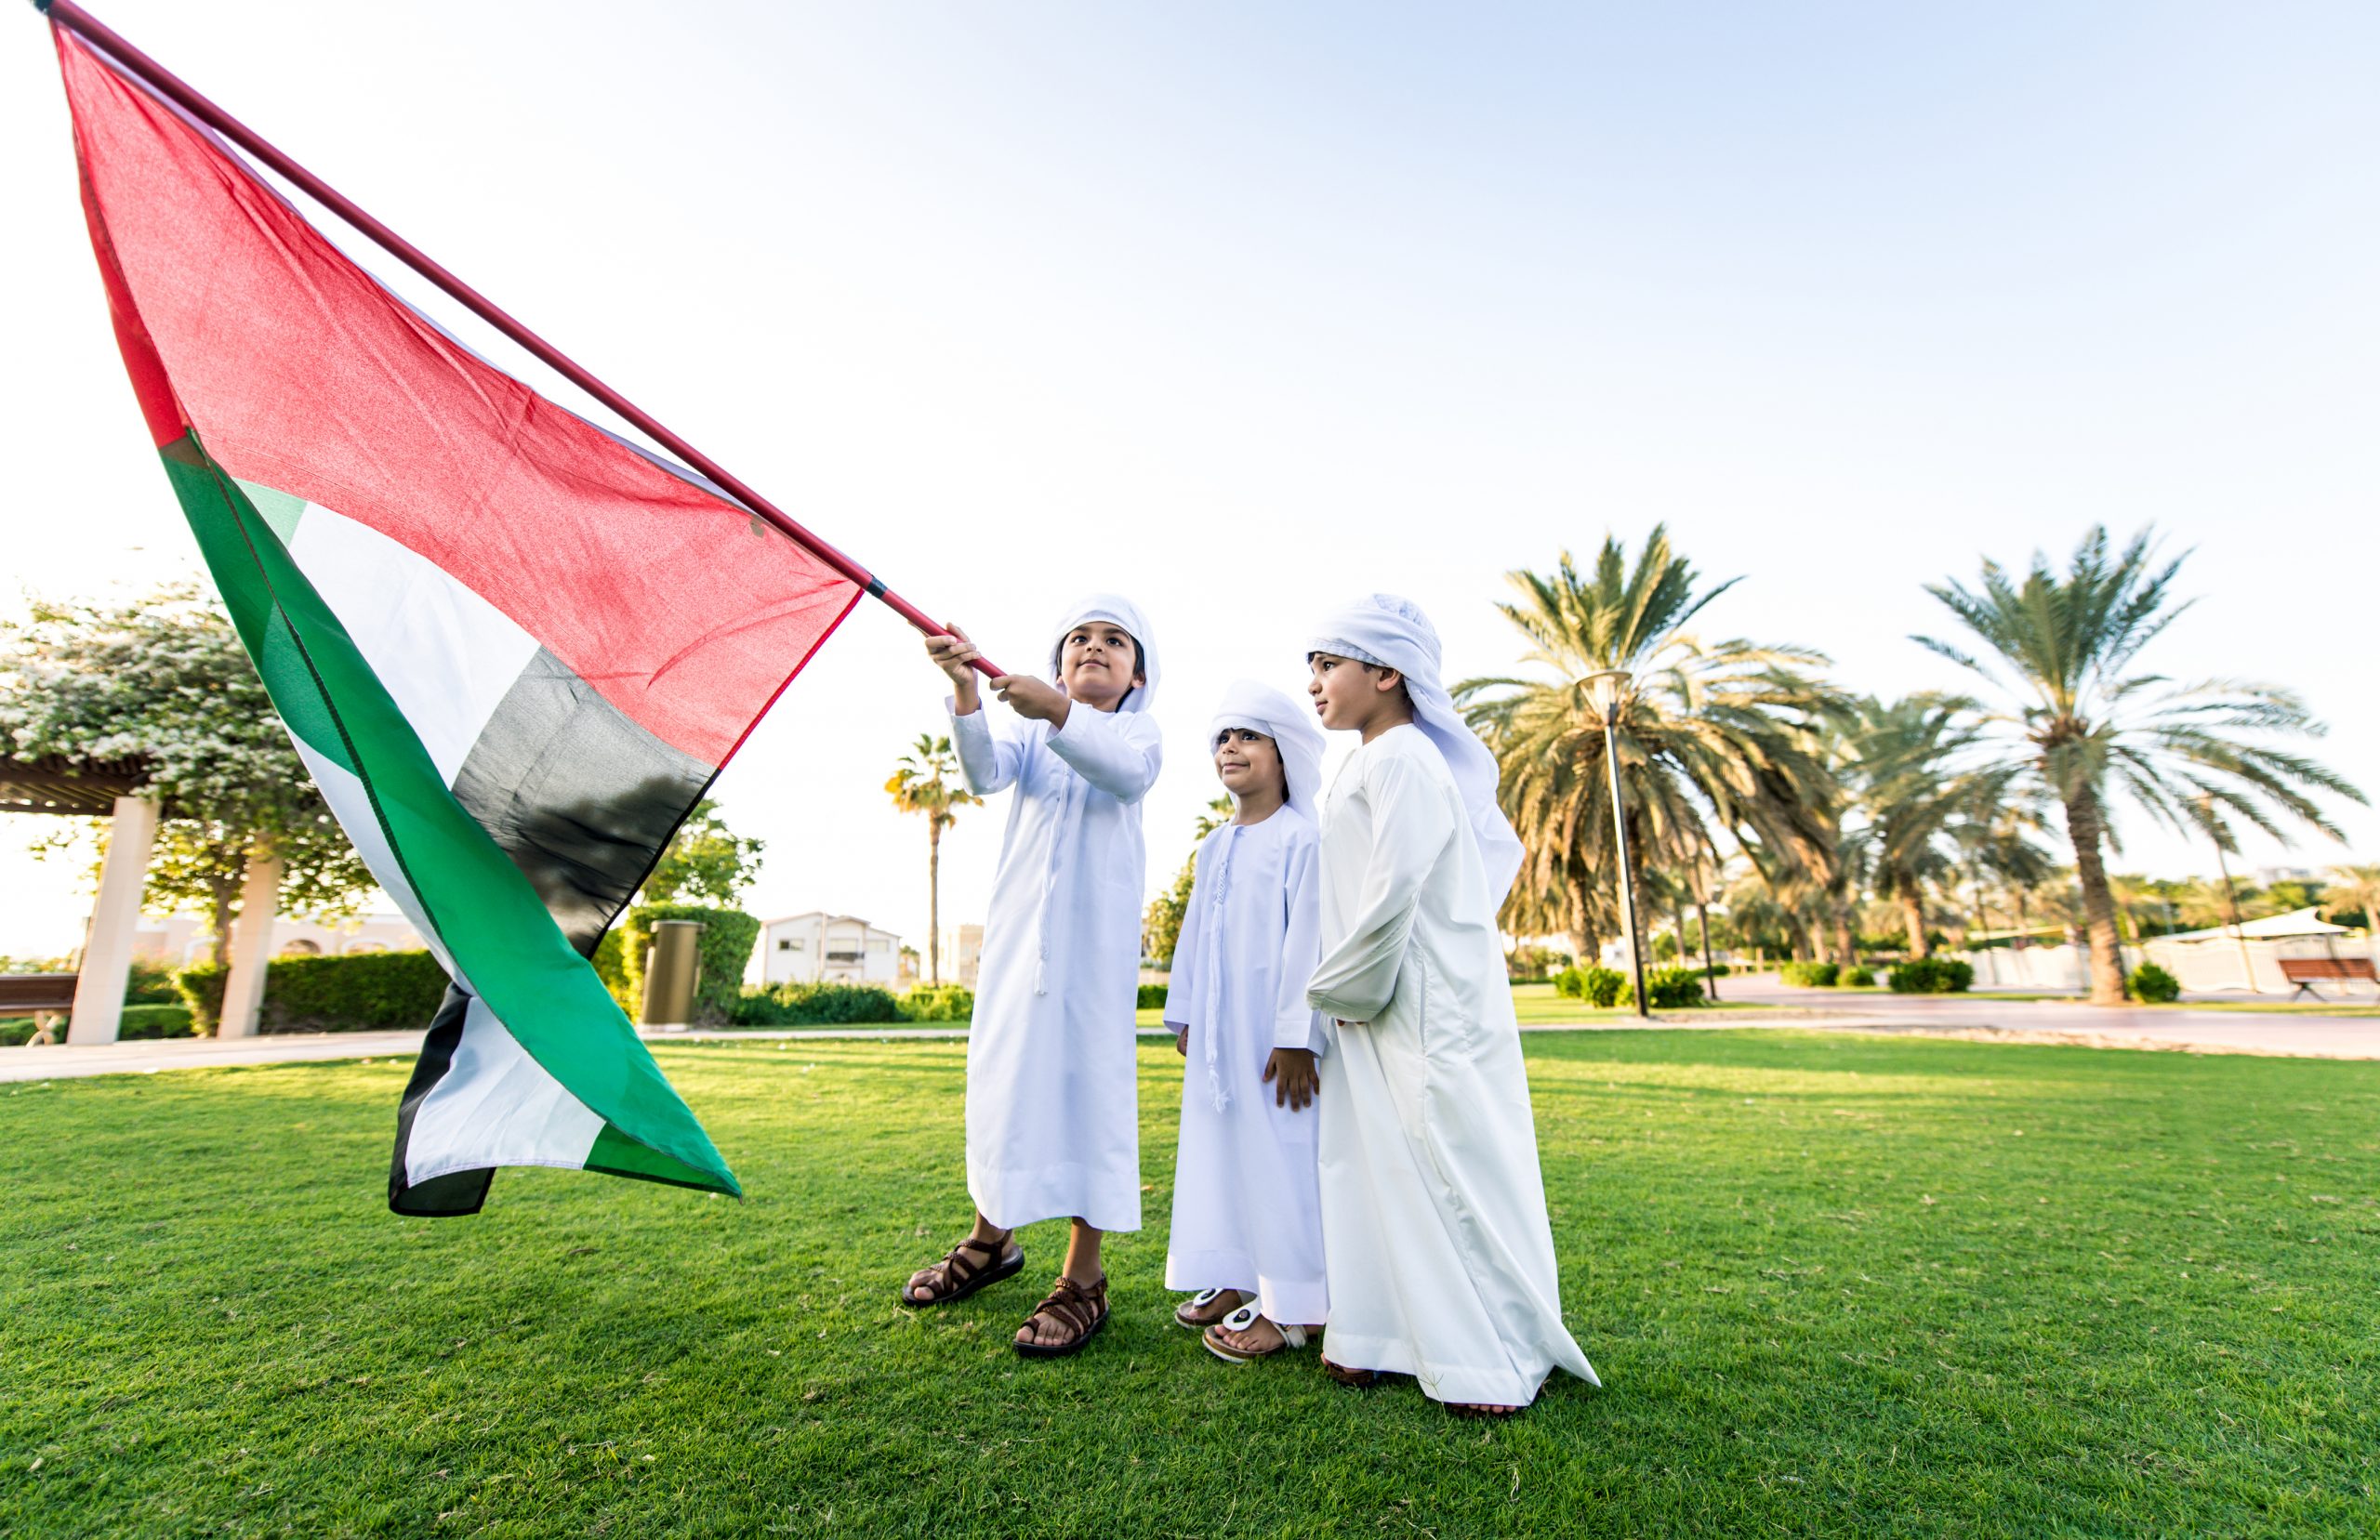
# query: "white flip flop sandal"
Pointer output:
{"type": "Point", "coordinates": [1198, 1301]}
{"type": "Point", "coordinates": [1241, 1320]}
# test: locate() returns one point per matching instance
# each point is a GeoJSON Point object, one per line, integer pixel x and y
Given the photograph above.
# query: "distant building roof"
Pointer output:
{"type": "Point", "coordinates": [2297, 922]}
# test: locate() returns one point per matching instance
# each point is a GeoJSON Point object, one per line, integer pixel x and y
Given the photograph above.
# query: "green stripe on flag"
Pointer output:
{"type": "Point", "coordinates": [484, 910]}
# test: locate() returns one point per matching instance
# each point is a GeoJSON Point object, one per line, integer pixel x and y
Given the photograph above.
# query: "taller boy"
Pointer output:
{"type": "Point", "coordinates": [1440, 1256]}
{"type": "Point", "coordinates": [1053, 1104]}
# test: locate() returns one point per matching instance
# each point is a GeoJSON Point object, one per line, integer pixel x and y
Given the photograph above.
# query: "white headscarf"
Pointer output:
{"type": "Point", "coordinates": [1290, 723]}
{"type": "Point", "coordinates": [1116, 611]}
{"type": "Point", "coordinates": [1389, 632]}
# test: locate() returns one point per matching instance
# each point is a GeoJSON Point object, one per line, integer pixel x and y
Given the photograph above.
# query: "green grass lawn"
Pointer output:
{"type": "Point", "coordinates": [1836, 1286]}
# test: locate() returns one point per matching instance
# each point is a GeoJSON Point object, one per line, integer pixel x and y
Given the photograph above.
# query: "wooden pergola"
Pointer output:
{"type": "Point", "coordinates": [118, 790]}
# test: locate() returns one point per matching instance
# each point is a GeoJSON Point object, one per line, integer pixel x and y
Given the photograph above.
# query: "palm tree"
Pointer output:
{"type": "Point", "coordinates": [927, 782]}
{"type": "Point", "coordinates": [2087, 725]}
{"type": "Point", "coordinates": [1708, 734]}
{"type": "Point", "coordinates": [1909, 771]}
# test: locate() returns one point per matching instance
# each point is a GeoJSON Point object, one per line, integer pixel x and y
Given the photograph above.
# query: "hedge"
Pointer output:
{"type": "Point", "coordinates": [1859, 978]}
{"type": "Point", "coordinates": [1152, 997]}
{"type": "Point", "coordinates": [1811, 975]}
{"type": "Point", "coordinates": [2154, 985]}
{"type": "Point", "coordinates": [726, 947]}
{"type": "Point", "coordinates": [823, 1005]}
{"type": "Point", "coordinates": [939, 1002]}
{"type": "Point", "coordinates": [139, 1023]}
{"type": "Point", "coordinates": [362, 992]}
{"type": "Point", "coordinates": [1932, 976]}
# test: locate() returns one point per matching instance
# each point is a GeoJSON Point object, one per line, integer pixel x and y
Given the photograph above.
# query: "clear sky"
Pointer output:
{"type": "Point", "coordinates": [1248, 309]}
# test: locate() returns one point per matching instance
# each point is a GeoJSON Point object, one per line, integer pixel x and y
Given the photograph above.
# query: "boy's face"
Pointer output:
{"type": "Point", "coordinates": [1346, 694]}
{"type": "Point", "coordinates": [1095, 664]}
{"type": "Point", "coordinates": [1247, 761]}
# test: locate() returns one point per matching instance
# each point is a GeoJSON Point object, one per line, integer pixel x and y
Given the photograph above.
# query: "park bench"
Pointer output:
{"type": "Point", "coordinates": [47, 997]}
{"type": "Point", "coordinates": [2303, 972]}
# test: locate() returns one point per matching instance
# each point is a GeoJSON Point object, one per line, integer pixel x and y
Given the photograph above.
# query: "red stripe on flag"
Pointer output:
{"type": "Point", "coordinates": [302, 372]}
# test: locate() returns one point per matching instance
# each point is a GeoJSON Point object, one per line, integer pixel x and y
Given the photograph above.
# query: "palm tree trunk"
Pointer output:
{"type": "Point", "coordinates": [1912, 909]}
{"type": "Point", "coordinates": [1581, 934]}
{"type": "Point", "coordinates": [934, 899]}
{"type": "Point", "coordinates": [2085, 825]}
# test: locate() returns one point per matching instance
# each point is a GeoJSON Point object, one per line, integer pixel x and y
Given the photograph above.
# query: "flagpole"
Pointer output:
{"type": "Point", "coordinates": [65, 13]}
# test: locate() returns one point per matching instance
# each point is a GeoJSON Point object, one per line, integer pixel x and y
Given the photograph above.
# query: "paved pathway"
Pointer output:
{"type": "Point", "coordinates": [2303, 1033]}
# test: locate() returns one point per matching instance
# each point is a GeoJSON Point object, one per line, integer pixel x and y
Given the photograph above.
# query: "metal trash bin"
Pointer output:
{"type": "Point", "coordinates": [673, 971]}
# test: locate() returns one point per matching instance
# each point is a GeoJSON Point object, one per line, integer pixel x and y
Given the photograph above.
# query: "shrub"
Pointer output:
{"type": "Point", "coordinates": [725, 948]}
{"type": "Point", "coordinates": [1151, 998]}
{"type": "Point", "coordinates": [1860, 978]}
{"type": "Point", "coordinates": [1598, 986]}
{"type": "Point", "coordinates": [613, 970]}
{"type": "Point", "coordinates": [939, 1002]}
{"type": "Point", "coordinates": [362, 992]}
{"type": "Point", "coordinates": [1932, 976]}
{"type": "Point", "coordinates": [2153, 984]}
{"type": "Point", "coordinates": [1533, 964]}
{"type": "Point", "coordinates": [822, 1004]}
{"type": "Point", "coordinates": [1811, 975]}
{"type": "Point", "coordinates": [1666, 989]}
{"type": "Point", "coordinates": [147, 1022]}
{"type": "Point", "coordinates": [152, 983]}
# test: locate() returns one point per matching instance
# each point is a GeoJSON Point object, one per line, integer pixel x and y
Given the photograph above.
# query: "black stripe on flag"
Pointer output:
{"type": "Point", "coordinates": [581, 798]}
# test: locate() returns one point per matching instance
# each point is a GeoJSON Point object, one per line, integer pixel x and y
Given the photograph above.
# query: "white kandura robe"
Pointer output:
{"type": "Point", "coordinates": [1440, 1258]}
{"type": "Point", "coordinates": [1052, 1084]}
{"type": "Point", "coordinates": [1246, 1215]}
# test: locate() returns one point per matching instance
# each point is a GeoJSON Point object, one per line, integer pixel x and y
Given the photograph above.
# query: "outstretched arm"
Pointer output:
{"type": "Point", "coordinates": [1117, 751]}
{"type": "Point", "coordinates": [988, 759]}
{"type": "Point", "coordinates": [1411, 822]}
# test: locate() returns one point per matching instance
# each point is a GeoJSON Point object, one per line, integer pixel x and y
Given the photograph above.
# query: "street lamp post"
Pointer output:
{"type": "Point", "coordinates": [1607, 690]}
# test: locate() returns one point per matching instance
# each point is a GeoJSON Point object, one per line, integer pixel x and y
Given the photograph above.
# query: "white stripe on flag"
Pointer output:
{"type": "Point", "coordinates": [348, 803]}
{"type": "Point", "coordinates": [495, 1106]}
{"type": "Point", "coordinates": [445, 655]}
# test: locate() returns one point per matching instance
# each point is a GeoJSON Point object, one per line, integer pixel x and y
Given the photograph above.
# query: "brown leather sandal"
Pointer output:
{"type": "Point", "coordinates": [1354, 1379]}
{"type": "Point", "coordinates": [1080, 1310]}
{"type": "Point", "coordinates": [958, 1274]}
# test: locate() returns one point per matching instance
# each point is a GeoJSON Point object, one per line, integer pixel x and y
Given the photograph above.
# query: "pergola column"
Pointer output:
{"type": "Point", "coordinates": [251, 945]}
{"type": "Point", "coordinates": [106, 951]}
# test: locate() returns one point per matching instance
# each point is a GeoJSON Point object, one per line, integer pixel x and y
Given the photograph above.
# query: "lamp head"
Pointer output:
{"type": "Point", "coordinates": [1607, 690]}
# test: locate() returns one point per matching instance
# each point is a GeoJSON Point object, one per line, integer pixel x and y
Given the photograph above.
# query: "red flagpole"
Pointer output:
{"type": "Point", "coordinates": [73, 17]}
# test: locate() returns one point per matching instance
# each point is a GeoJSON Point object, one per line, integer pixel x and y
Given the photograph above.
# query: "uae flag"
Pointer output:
{"type": "Point", "coordinates": [512, 647]}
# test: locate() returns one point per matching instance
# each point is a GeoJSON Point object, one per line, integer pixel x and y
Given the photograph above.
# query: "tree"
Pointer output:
{"type": "Point", "coordinates": [703, 862]}
{"type": "Point", "coordinates": [1162, 926]}
{"type": "Point", "coordinates": [927, 781]}
{"type": "Point", "coordinates": [2364, 883]}
{"type": "Point", "coordinates": [2087, 725]}
{"type": "Point", "coordinates": [1909, 774]}
{"type": "Point", "coordinates": [1715, 732]}
{"type": "Point", "coordinates": [165, 680]}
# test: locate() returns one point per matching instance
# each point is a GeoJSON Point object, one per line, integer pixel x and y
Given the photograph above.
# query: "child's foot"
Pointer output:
{"type": "Point", "coordinates": [1354, 1380]}
{"type": "Point", "coordinates": [1473, 1409]}
{"type": "Point", "coordinates": [1243, 1336]}
{"type": "Point", "coordinates": [972, 1264]}
{"type": "Point", "coordinates": [1203, 1310]}
{"type": "Point", "coordinates": [1063, 1322]}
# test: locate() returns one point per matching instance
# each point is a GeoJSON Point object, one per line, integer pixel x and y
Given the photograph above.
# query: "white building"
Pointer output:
{"type": "Point", "coordinates": [819, 947]}
{"type": "Point", "coordinates": [962, 954]}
